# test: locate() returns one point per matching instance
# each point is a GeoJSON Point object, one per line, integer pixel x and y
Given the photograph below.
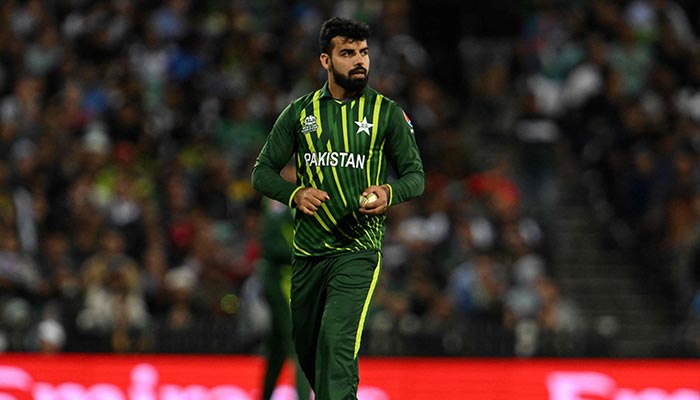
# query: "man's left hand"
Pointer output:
{"type": "Point", "coordinates": [378, 206]}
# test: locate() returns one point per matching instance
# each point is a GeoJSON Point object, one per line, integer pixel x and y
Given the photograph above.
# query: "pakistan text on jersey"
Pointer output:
{"type": "Point", "coordinates": [335, 159]}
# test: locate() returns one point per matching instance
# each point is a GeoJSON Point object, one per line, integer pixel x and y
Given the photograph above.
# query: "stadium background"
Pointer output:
{"type": "Point", "coordinates": [560, 139]}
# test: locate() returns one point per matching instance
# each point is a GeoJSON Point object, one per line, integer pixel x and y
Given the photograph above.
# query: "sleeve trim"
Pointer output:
{"type": "Point", "coordinates": [290, 202]}
{"type": "Point", "coordinates": [391, 193]}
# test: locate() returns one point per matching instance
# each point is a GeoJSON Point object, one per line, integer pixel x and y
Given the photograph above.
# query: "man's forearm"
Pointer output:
{"type": "Point", "coordinates": [409, 186]}
{"type": "Point", "coordinates": [269, 182]}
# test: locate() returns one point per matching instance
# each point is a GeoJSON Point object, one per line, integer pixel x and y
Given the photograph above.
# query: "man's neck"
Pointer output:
{"type": "Point", "coordinates": [339, 93]}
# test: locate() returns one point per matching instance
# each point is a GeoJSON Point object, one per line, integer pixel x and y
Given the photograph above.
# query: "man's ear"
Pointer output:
{"type": "Point", "coordinates": [325, 61]}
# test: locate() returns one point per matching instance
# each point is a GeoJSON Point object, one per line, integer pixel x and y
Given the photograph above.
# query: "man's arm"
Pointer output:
{"type": "Point", "coordinates": [278, 149]}
{"type": "Point", "coordinates": [402, 153]}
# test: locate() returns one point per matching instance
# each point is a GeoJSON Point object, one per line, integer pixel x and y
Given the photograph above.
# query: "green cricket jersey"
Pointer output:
{"type": "Point", "coordinates": [341, 147]}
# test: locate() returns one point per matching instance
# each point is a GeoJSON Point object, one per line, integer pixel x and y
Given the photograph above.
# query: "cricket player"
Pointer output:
{"type": "Point", "coordinates": [343, 138]}
{"type": "Point", "coordinates": [276, 232]}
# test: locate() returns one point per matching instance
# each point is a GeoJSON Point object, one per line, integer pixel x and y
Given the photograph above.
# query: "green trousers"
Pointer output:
{"type": "Point", "coordinates": [330, 297]}
{"type": "Point", "coordinates": [278, 344]}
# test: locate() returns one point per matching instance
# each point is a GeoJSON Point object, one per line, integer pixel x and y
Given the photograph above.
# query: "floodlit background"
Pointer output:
{"type": "Point", "coordinates": [561, 141]}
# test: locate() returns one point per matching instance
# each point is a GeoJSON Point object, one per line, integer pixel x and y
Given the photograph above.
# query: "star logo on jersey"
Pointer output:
{"type": "Point", "coordinates": [363, 126]}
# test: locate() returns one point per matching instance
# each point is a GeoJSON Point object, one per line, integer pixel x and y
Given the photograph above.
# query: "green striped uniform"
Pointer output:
{"type": "Point", "coordinates": [341, 147]}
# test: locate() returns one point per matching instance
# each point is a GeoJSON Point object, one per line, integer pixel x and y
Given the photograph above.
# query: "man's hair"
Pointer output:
{"type": "Point", "coordinates": [343, 27]}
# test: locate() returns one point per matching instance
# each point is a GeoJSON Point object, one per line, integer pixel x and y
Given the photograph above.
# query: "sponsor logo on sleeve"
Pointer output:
{"type": "Point", "coordinates": [408, 120]}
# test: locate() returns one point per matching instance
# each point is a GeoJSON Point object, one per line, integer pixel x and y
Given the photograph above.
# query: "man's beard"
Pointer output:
{"type": "Point", "coordinates": [352, 85]}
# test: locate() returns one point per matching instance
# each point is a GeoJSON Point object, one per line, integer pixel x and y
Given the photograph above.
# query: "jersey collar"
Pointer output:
{"type": "Point", "coordinates": [326, 93]}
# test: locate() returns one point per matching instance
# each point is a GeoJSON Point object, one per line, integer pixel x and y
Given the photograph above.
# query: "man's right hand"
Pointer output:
{"type": "Point", "coordinates": [309, 199]}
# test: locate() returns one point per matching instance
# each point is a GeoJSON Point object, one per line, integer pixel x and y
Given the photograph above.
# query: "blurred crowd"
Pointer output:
{"type": "Point", "coordinates": [129, 129]}
{"type": "Point", "coordinates": [619, 81]}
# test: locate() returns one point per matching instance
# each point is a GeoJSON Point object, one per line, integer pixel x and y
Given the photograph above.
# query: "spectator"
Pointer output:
{"type": "Point", "coordinates": [114, 307]}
